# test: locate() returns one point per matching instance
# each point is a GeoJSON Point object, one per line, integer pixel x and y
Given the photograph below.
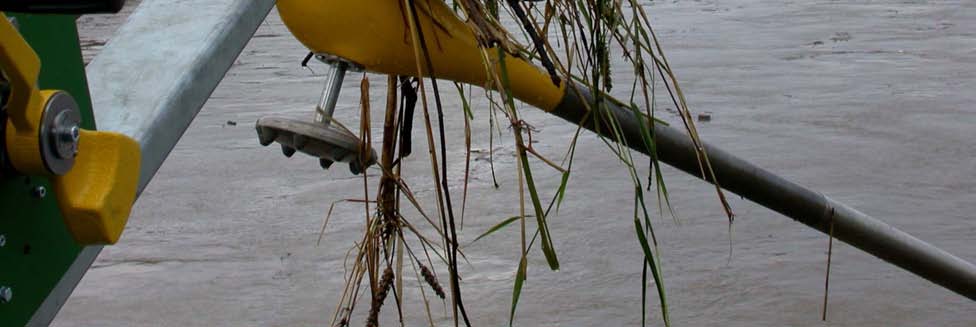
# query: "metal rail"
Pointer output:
{"type": "Point", "coordinates": [774, 192]}
{"type": "Point", "coordinates": [152, 79]}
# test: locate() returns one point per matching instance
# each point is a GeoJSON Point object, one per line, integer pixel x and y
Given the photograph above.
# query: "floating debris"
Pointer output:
{"type": "Point", "coordinates": [705, 116]}
{"type": "Point", "coordinates": [841, 37]}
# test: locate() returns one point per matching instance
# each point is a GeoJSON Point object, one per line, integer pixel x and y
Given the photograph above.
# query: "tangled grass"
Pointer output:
{"type": "Point", "coordinates": [573, 40]}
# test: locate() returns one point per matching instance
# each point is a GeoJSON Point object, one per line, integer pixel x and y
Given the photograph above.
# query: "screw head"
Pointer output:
{"type": "Point", "coordinates": [3, 240]}
{"type": "Point", "coordinates": [39, 192]}
{"type": "Point", "coordinates": [72, 135]}
{"type": "Point", "coordinates": [66, 138]}
{"type": "Point", "coordinates": [69, 134]}
{"type": "Point", "coordinates": [6, 294]}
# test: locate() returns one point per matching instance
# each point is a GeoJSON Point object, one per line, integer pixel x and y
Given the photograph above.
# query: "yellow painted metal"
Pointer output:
{"type": "Point", "coordinates": [96, 196]}
{"type": "Point", "coordinates": [376, 34]}
{"type": "Point", "coordinates": [97, 193]}
{"type": "Point", "coordinates": [25, 106]}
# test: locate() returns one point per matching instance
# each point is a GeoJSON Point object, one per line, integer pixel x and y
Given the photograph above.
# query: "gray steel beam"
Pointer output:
{"type": "Point", "coordinates": [151, 80]}
{"type": "Point", "coordinates": [788, 198]}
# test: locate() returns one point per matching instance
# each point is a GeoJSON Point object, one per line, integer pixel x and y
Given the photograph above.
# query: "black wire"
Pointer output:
{"type": "Point", "coordinates": [408, 95]}
{"type": "Point", "coordinates": [307, 58]}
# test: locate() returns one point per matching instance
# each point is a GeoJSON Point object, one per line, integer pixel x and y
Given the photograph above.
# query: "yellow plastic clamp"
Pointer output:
{"type": "Point", "coordinates": [96, 195]}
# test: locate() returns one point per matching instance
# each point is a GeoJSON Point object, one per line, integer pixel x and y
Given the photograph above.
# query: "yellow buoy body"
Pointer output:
{"type": "Point", "coordinates": [376, 34]}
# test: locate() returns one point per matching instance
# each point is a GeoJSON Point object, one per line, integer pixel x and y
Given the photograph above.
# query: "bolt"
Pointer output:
{"type": "Point", "coordinates": [70, 136]}
{"type": "Point", "coordinates": [75, 136]}
{"type": "Point", "coordinates": [64, 130]}
{"type": "Point", "coordinates": [39, 192]}
{"type": "Point", "coordinates": [6, 294]}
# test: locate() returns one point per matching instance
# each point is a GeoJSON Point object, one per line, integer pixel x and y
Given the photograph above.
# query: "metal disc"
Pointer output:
{"type": "Point", "coordinates": [59, 133]}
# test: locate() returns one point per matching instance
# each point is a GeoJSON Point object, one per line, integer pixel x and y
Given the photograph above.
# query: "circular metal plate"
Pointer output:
{"type": "Point", "coordinates": [61, 116]}
{"type": "Point", "coordinates": [332, 59]}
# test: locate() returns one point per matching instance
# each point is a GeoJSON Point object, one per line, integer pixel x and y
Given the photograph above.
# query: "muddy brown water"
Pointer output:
{"type": "Point", "coordinates": [868, 102]}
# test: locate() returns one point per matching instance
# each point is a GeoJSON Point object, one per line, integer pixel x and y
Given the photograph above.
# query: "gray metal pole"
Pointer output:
{"type": "Point", "coordinates": [788, 198]}
{"type": "Point", "coordinates": [330, 94]}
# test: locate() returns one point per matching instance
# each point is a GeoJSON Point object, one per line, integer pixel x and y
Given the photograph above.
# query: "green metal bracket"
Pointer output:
{"type": "Point", "coordinates": [36, 246]}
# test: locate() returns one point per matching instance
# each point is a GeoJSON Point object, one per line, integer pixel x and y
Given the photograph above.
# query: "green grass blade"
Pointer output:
{"type": "Point", "coordinates": [517, 291]}
{"type": "Point", "coordinates": [547, 247]}
{"type": "Point", "coordinates": [495, 228]}
{"type": "Point", "coordinates": [643, 295]}
{"type": "Point", "coordinates": [655, 270]}
{"type": "Point", "coordinates": [561, 192]}
{"type": "Point", "coordinates": [464, 101]}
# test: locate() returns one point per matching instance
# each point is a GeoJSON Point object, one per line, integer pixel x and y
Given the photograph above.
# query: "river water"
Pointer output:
{"type": "Point", "coordinates": [868, 102]}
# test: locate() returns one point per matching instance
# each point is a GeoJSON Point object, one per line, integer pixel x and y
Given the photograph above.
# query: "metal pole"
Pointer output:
{"type": "Point", "coordinates": [771, 191]}
{"type": "Point", "coordinates": [330, 94]}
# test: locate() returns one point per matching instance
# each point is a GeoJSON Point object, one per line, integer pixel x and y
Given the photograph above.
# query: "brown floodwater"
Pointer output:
{"type": "Point", "coordinates": [871, 103]}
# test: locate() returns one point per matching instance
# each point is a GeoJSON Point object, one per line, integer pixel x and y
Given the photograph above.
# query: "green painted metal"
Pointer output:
{"type": "Point", "coordinates": [55, 39]}
{"type": "Point", "coordinates": [38, 248]}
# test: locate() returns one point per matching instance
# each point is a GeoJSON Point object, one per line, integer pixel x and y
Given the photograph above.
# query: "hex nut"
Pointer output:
{"type": "Point", "coordinates": [6, 294]}
{"type": "Point", "coordinates": [39, 192]}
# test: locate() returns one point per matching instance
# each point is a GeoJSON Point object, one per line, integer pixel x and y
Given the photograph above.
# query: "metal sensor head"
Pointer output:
{"type": "Point", "coordinates": [328, 143]}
